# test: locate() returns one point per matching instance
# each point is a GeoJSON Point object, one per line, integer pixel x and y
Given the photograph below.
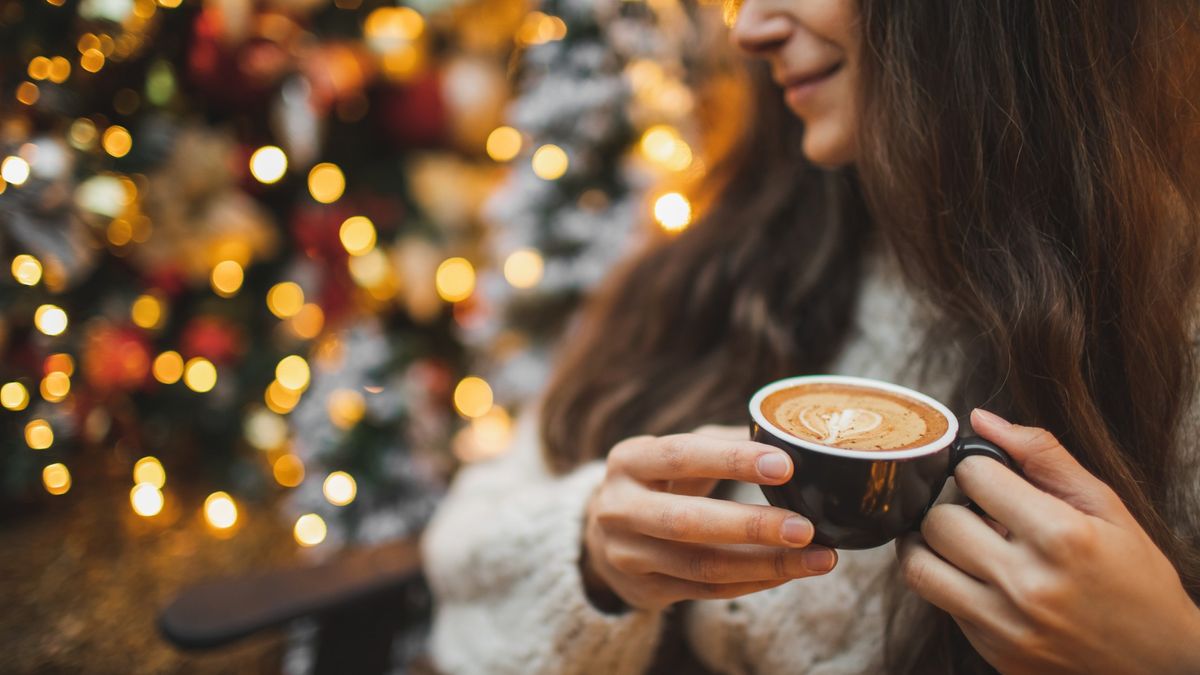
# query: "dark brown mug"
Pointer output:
{"type": "Point", "coordinates": [863, 498]}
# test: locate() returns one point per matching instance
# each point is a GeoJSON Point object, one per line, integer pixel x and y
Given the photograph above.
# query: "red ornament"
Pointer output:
{"type": "Point", "coordinates": [415, 114]}
{"type": "Point", "coordinates": [115, 358]}
{"type": "Point", "coordinates": [214, 338]}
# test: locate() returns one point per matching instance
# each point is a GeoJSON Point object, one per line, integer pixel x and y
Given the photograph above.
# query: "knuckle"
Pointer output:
{"type": "Point", "coordinates": [780, 560]}
{"type": "Point", "coordinates": [673, 451]}
{"type": "Point", "coordinates": [624, 559]}
{"type": "Point", "coordinates": [914, 571]}
{"type": "Point", "coordinates": [1038, 594]}
{"type": "Point", "coordinates": [735, 461]}
{"type": "Point", "coordinates": [673, 522]}
{"type": "Point", "coordinates": [1068, 538]}
{"type": "Point", "coordinates": [756, 524]}
{"type": "Point", "coordinates": [705, 566]}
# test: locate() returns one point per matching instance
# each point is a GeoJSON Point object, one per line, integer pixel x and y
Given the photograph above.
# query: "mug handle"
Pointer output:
{"type": "Point", "coordinates": [969, 446]}
{"type": "Point", "coordinates": [974, 445]}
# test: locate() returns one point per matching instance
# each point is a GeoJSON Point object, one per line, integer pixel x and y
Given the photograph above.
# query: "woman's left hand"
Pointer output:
{"type": "Point", "coordinates": [1063, 580]}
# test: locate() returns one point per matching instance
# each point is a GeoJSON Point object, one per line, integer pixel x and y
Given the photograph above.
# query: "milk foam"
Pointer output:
{"type": "Point", "coordinates": [853, 417]}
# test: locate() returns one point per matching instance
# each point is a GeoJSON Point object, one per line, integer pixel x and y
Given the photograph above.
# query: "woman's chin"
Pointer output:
{"type": "Point", "coordinates": [828, 148]}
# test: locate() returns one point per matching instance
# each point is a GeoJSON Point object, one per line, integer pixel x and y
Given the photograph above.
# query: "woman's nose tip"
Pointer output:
{"type": "Point", "coordinates": [756, 34]}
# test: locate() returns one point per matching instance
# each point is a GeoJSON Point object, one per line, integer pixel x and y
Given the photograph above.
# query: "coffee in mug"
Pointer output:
{"type": "Point", "coordinates": [854, 417]}
{"type": "Point", "coordinates": [870, 457]}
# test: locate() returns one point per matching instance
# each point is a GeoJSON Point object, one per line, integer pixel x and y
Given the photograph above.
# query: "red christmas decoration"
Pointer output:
{"type": "Point", "coordinates": [214, 338]}
{"type": "Point", "coordinates": [115, 358]}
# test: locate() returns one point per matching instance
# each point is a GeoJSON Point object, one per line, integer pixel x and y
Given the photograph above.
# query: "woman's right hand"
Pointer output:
{"type": "Point", "coordinates": [653, 536]}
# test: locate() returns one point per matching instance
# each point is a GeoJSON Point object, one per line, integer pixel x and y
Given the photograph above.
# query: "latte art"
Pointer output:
{"type": "Point", "coordinates": [835, 425]}
{"type": "Point", "coordinates": [853, 417]}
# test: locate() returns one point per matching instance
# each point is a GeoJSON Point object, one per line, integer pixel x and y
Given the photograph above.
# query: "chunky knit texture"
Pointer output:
{"type": "Point", "coordinates": [502, 555]}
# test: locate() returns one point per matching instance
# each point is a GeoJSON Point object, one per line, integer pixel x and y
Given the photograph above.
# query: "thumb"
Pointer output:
{"type": "Point", "coordinates": [1048, 465]}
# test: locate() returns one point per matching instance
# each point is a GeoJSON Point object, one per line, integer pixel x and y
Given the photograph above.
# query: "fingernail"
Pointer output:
{"type": "Point", "coordinates": [773, 465]}
{"type": "Point", "coordinates": [796, 530]}
{"type": "Point", "coordinates": [992, 418]}
{"type": "Point", "coordinates": [819, 559]}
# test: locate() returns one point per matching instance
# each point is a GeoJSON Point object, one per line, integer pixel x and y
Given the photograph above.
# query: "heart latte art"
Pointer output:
{"type": "Point", "coordinates": [853, 417]}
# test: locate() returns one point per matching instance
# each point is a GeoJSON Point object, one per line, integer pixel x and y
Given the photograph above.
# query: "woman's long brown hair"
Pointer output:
{"type": "Point", "coordinates": [1035, 164]}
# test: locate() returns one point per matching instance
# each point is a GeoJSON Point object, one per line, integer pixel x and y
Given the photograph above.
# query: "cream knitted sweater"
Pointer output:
{"type": "Point", "coordinates": [502, 557]}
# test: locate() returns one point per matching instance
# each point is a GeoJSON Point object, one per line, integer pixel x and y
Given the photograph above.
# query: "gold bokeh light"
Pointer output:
{"type": "Point", "coordinates": [26, 269]}
{"type": "Point", "coordinates": [504, 144]}
{"type": "Point", "coordinates": [38, 434]}
{"type": "Point", "coordinates": [339, 488]}
{"type": "Point", "coordinates": [285, 299]}
{"type": "Point", "coordinates": [293, 373]}
{"type": "Point", "coordinates": [168, 367]}
{"type": "Point", "coordinates": [473, 397]}
{"type": "Point", "coordinates": [220, 511]}
{"type": "Point", "coordinates": [200, 375]}
{"type": "Point", "coordinates": [227, 278]}
{"type": "Point", "coordinates": [358, 235]}
{"type": "Point", "coordinates": [524, 268]}
{"type": "Point", "coordinates": [56, 478]}
{"type": "Point", "coordinates": [550, 162]}
{"type": "Point", "coordinates": [326, 183]}
{"type": "Point", "coordinates": [117, 141]}
{"type": "Point", "coordinates": [55, 386]}
{"type": "Point", "coordinates": [673, 211]}
{"type": "Point", "coordinates": [50, 319]}
{"type": "Point", "coordinates": [147, 500]}
{"type": "Point", "coordinates": [147, 311]}
{"type": "Point", "coordinates": [310, 530]}
{"type": "Point", "coordinates": [149, 470]}
{"type": "Point", "coordinates": [455, 279]}
{"type": "Point", "coordinates": [288, 470]}
{"type": "Point", "coordinates": [268, 164]}
{"type": "Point", "coordinates": [14, 396]}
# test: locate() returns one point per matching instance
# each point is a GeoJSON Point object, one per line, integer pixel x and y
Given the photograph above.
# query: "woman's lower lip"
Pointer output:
{"type": "Point", "coordinates": [797, 94]}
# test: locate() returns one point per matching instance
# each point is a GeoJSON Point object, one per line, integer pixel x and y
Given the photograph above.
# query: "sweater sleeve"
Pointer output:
{"type": "Point", "coordinates": [501, 555]}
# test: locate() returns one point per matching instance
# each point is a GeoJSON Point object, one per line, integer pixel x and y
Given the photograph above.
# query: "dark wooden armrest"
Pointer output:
{"type": "Point", "coordinates": [214, 613]}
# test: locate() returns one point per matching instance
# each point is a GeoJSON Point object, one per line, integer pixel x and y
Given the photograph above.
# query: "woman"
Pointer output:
{"type": "Point", "coordinates": [996, 202]}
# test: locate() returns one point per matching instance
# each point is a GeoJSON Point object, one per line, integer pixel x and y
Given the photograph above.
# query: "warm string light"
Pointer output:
{"type": "Point", "coordinates": [220, 511]}
{"type": "Point", "coordinates": [310, 530]}
{"type": "Point", "coordinates": [326, 183]}
{"type": "Point", "coordinates": [280, 399]}
{"type": "Point", "coordinates": [168, 367]}
{"type": "Point", "coordinates": [50, 319]}
{"type": "Point", "coordinates": [26, 269]}
{"type": "Point", "coordinates": [268, 164]}
{"type": "Point", "coordinates": [146, 500]}
{"type": "Point", "coordinates": [288, 470]}
{"type": "Point", "coordinates": [265, 430]}
{"type": "Point", "coordinates": [116, 141]}
{"type": "Point", "coordinates": [504, 144]}
{"type": "Point", "coordinates": [357, 234]}
{"type": "Point", "coordinates": [150, 471]}
{"type": "Point", "coordinates": [524, 268]}
{"type": "Point", "coordinates": [200, 375]}
{"type": "Point", "coordinates": [473, 397]}
{"type": "Point", "coordinates": [339, 488]}
{"type": "Point", "coordinates": [227, 277]}
{"type": "Point", "coordinates": [292, 373]}
{"type": "Point", "coordinates": [455, 279]}
{"type": "Point", "coordinates": [60, 363]}
{"type": "Point", "coordinates": [539, 28]}
{"type": "Point", "coordinates": [673, 211]}
{"type": "Point", "coordinates": [56, 478]}
{"type": "Point", "coordinates": [550, 162]}
{"type": "Point", "coordinates": [38, 434]}
{"type": "Point", "coordinates": [55, 386]}
{"type": "Point", "coordinates": [346, 407]}
{"type": "Point", "coordinates": [308, 322]}
{"type": "Point", "coordinates": [14, 396]}
{"type": "Point", "coordinates": [147, 311]}
{"type": "Point", "coordinates": [664, 146]}
{"type": "Point", "coordinates": [28, 93]}
{"type": "Point", "coordinates": [285, 299]}
{"type": "Point", "coordinates": [14, 170]}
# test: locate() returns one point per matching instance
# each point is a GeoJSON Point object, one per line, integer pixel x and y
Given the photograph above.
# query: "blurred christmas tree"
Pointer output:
{"type": "Point", "coordinates": [237, 231]}
{"type": "Point", "coordinates": [608, 129]}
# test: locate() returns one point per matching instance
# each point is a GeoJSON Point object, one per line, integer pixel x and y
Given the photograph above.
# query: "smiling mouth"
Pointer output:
{"type": "Point", "coordinates": [812, 78]}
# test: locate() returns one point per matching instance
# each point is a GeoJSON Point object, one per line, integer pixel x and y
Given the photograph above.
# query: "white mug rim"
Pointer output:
{"type": "Point", "coordinates": [909, 453]}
